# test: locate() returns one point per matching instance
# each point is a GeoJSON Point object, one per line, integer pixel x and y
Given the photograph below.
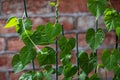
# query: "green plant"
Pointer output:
{"type": "Point", "coordinates": [51, 34]}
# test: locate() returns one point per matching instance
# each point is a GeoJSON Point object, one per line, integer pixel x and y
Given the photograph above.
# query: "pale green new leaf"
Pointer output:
{"type": "Point", "coordinates": [52, 4]}
{"type": "Point", "coordinates": [12, 22]}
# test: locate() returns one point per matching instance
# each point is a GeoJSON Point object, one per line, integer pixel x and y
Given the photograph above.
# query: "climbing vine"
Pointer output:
{"type": "Point", "coordinates": [50, 33]}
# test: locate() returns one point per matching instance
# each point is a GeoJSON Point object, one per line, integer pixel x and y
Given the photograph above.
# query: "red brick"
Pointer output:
{"type": "Point", "coordinates": [82, 40]}
{"type": "Point", "coordinates": [116, 4]}
{"type": "Point", "coordinates": [67, 22]}
{"type": "Point", "coordinates": [15, 44]}
{"type": "Point", "coordinates": [14, 76]}
{"type": "Point", "coordinates": [41, 21]}
{"type": "Point", "coordinates": [70, 6]}
{"type": "Point", "coordinates": [85, 22]}
{"type": "Point", "coordinates": [2, 44]}
{"type": "Point", "coordinates": [5, 61]}
{"type": "Point", "coordinates": [109, 39]}
{"type": "Point", "coordinates": [2, 76]}
{"type": "Point", "coordinates": [33, 7]}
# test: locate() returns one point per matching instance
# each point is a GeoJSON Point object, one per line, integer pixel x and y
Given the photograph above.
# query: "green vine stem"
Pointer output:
{"type": "Point", "coordinates": [95, 53]}
{"type": "Point", "coordinates": [26, 15]}
{"type": "Point", "coordinates": [56, 11]}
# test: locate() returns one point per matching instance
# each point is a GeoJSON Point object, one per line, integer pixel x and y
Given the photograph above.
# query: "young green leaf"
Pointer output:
{"type": "Point", "coordinates": [23, 26]}
{"type": "Point", "coordinates": [94, 39]}
{"type": "Point", "coordinates": [19, 27]}
{"type": "Point", "coordinates": [27, 24]}
{"type": "Point", "coordinates": [47, 76]}
{"type": "Point", "coordinates": [70, 78]}
{"type": "Point", "coordinates": [12, 22]}
{"type": "Point", "coordinates": [111, 19]}
{"type": "Point", "coordinates": [95, 77]}
{"type": "Point", "coordinates": [110, 60]}
{"type": "Point", "coordinates": [86, 64]}
{"type": "Point", "coordinates": [69, 71]}
{"type": "Point", "coordinates": [117, 73]}
{"type": "Point", "coordinates": [27, 55]}
{"type": "Point", "coordinates": [66, 45]}
{"type": "Point", "coordinates": [118, 31]}
{"type": "Point", "coordinates": [28, 76]}
{"type": "Point", "coordinates": [26, 37]}
{"type": "Point", "coordinates": [17, 64]}
{"type": "Point", "coordinates": [83, 76]}
{"type": "Point", "coordinates": [65, 57]}
{"type": "Point", "coordinates": [97, 7]}
{"type": "Point", "coordinates": [40, 75]}
{"type": "Point", "coordinates": [46, 34]}
{"type": "Point", "coordinates": [47, 56]}
{"type": "Point", "coordinates": [52, 4]}
{"type": "Point", "coordinates": [60, 70]}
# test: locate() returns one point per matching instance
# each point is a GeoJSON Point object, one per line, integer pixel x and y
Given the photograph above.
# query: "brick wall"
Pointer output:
{"type": "Point", "coordinates": [73, 15]}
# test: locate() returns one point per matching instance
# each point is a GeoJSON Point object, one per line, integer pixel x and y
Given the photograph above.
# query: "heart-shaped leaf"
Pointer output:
{"type": "Point", "coordinates": [40, 75]}
{"type": "Point", "coordinates": [110, 60]}
{"type": "Point", "coordinates": [65, 57]}
{"type": "Point", "coordinates": [69, 71]}
{"type": "Point", "coordinates": [66, 45]}
{"type": "Point", "coordinates": [95, 77]}
{"type": "Point", "coordinates": [86, 63]}
{"type": "Point", "coordinates": [111, 19]}
{"type": "Point", "coordinates": [83, 76]}
{"type": "Point", "coordinates": [46, 34]}
{"type": "Point", "coordinates": [46, 56]}
{"type": "Point", "coordinates": [94, 39]}
{"type": "Point", "coordinates": [27, 55]}
{"type": "Point", "coordinates": [28, 76]}
{"type": "Point", "coordinates": [12, 22]}
{"type": "Point", "coordinates": [26, 37]}
{"type": "Point", "coordinates": [17, 64]}
{"type": "Point", "coordinates": [97, 7]}
{"type": "Point", "coordinates": [117, 73]}
{"type": "Point", "coordinates": [23, 25]}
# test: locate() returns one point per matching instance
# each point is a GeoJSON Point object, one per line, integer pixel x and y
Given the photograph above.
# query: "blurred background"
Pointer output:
{"type": "Point", "coordinates": [73, 14]}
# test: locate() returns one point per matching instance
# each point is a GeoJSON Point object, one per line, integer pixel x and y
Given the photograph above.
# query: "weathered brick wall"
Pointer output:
{"type": "Point", "coordinates": [73, 15]}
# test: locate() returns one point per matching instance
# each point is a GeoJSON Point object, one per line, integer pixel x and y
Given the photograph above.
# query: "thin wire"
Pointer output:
{"type": "Point", "coordinates": [56, 58]}
{"type": "Point", "coordinates": [116, 44]}
{"type": "Point", "coordinates": [62, 30]}
{"type": "Point", "coordinates": [77, 53]}
{"type": "Point", "coordinates": [25, 9]}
